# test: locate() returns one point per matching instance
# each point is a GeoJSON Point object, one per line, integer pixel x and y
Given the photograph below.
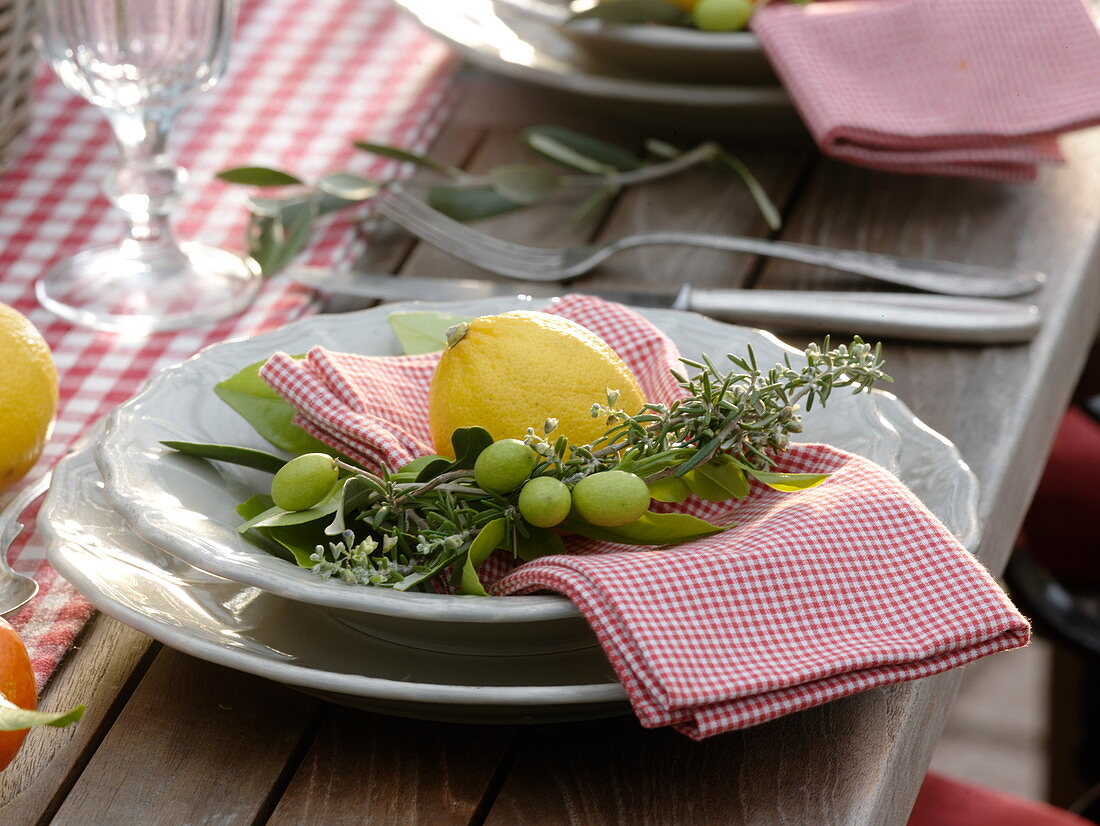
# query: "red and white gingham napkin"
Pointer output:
{"type": "Point", "coordinates": [812, 596]}
{"type": "Point", "coordinates": [306, 78]}
{"type": "Point", "coordinates": [979, 88]}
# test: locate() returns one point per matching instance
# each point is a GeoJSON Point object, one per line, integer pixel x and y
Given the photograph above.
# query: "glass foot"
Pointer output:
{"type": "Point", "coordinates": [139, 288]}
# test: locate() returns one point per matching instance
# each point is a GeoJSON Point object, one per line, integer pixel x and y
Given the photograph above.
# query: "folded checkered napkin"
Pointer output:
{"type": "Point", "coordinates": [957, 87]}
{"type": "Point", "coordinates": [812, 596]}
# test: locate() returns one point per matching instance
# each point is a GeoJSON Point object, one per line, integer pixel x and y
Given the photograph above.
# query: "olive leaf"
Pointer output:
{"type": "Point", "coordinates": [650, 529]}
{"type": "Point", "coordinates": [634, 11]}
{"type": "Point", "coordinates": [718, 480]}
{"type": "Point", "coordinates": [354, 492]}
{"type": "Point", "coordinates": [767, 208]}
{"type": "Point", "coordinates": [788, 482]}
{"type": "Point", "coordinates": [580, 151]}
{"type": "Point", "coordinates": [274, 239]}
{"type": "Point", "coordinates": [293, 543]}
{"type": "Point", "coordinates": [433, 468]}
{"type": "Point", "coordinates": [468, 442]}
{"type": "Point", "coordinates": [487, 540]}
{"type": "Point", "coordinates": [669, 489]}
{"type": "Point", "coordinates": [347, 186]}
{"type": "Point", "coordinates": [258, 176]}
{"type": "Point", "coordinates": [245, 456]}
{"type": "Point", "coordinates": [404, 155]}
{"type": "Point", "coordinates": [539, 542]}
{"type": "Point", "coordinates": [14, 718]}
{"type": "Point", "coordinates": [469, 203]}
{"type": "Point", "coordinates": [424, 331]}
{"type": "Point", "coordinates": [411, 472]}
{"type": "Point", "coordinates": [265, 410]}
{"type": "Point", "coordinates": [523, 183]}
{"type": "Point", "coordinates": [276, 517]}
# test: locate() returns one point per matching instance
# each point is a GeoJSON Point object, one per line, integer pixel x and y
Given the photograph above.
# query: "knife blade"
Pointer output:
{"type": "Point", "coordinates": [915, 316]}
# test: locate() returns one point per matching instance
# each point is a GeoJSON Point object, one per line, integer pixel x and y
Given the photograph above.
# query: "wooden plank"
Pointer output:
{"type": "Point", "coordinates": [100, 673]}
{"type": "Point", "coordinates": [860, 760]}
{"type": "Point", "coordinates": [369, 769]}
{"type": "Point", "coordinates": [196, 743]}
{"type": "Point", "coordinates": [701, 200]}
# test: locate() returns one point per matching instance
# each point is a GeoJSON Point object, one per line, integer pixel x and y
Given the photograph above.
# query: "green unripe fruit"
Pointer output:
{"type": "Point", "coordinates": [545, 501]}
{"type": "Point", "coordinates": [503, 466]}
{"type": "Point", "coordinates": [722, 15]}
{"type": "Point", "coordinates": [304, 481]}
{"type": "Point", "coordinates": [611, 498]}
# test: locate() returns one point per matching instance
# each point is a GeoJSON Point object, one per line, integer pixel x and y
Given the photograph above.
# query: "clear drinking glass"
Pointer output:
{"type": "Point", "coordinates": [139, 60]}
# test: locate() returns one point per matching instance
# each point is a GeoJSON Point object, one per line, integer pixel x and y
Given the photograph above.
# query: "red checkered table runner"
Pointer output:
{"type": "Point", "coordinates": [305, 79]}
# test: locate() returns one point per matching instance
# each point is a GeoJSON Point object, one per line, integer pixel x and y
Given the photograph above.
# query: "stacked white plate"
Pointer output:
{"type": "Point", "coordinates": [150, 538]}
{"type": "Point", "coordinates": [652, 74]}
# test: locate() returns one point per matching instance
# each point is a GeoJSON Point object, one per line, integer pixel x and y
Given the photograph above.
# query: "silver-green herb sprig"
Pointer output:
{"type": "Point", "coordinates": [402, 528]}
{"type": "Point", "coordinates": [280, 224]}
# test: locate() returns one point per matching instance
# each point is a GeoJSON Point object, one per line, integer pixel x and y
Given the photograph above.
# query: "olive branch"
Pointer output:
{"type": "Point", "coordinates": [280, 224]}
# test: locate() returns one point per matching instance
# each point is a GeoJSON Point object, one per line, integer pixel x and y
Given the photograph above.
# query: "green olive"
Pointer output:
{"type": "Point", "coordinates": [722, 15]}
{"type": "Point", "coordinates": [611, 498]}
{"type": "Point", "coordinates": [304, 481]}
{"type": "Point", "coordinates": [545, 501]}
{"type": "Point", "coordinates": [503, 466]}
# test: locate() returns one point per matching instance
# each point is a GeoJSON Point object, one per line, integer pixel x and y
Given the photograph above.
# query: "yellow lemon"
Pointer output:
{"type": "Point", "coordinates": [28, 395]}
{"type": "Point", "coordinates": [513, 371]}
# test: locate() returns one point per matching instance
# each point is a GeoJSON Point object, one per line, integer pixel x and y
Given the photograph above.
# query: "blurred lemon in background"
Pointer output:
{"type": "Point", "coordinates": [28, 395]}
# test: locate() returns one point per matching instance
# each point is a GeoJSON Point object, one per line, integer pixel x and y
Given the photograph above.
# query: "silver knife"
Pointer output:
{"type": "Point", "coordinates": [890, 315]}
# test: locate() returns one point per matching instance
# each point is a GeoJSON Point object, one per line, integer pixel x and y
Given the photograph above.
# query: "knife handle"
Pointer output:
{"type": "Point", "coordinates": [888, 315]}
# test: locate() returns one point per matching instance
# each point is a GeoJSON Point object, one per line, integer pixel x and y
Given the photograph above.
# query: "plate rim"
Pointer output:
{"type": "Point", "coordinates": [605, 86]}
{"type": "Point", "coordinates": [82, 458]}
{"type": "Point", "coordinates": [110, 458]}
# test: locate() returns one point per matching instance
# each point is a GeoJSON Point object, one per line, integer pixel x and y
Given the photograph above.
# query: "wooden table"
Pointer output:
{"type": "Point", "coordinates": [170, 739]}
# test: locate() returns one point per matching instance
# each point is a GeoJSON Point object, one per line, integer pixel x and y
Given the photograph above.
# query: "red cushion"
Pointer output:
{"type": "Point", "coordinates": [1062, 529]}
{"type": "Point", "coordinates": [946, 802]}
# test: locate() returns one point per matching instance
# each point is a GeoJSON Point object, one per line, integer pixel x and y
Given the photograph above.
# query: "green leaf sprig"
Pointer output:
{"type": "Point", "coordinates": [280, 224]}
{"type": "Point", "coordinates": [400, 528]}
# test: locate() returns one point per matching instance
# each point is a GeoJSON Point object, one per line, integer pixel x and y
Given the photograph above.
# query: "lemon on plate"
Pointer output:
{"type": "Point", "coordinates": [28, 395]}
{"type": "Point", "coordinates": [515, 370]}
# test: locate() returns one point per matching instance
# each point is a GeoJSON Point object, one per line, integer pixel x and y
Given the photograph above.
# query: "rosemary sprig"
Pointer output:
{"type": "Point", "coordinates": [403, 533]}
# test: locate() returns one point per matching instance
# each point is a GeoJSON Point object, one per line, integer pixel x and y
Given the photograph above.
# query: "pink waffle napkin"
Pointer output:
{"type": "Point", "coordinates": [812, 596]}
{"type": "Point", "coordinates": [979, 88]}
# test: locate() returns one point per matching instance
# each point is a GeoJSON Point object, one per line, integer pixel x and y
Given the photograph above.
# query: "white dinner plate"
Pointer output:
{"type": "Point", "coordinates": [669, 53]}
{"type": "Point", "coordinates": [186, 506]}
{"type": "Point", "coordinates": [528, 49]}
{"type": "Point", "coordinates": [301, 645]}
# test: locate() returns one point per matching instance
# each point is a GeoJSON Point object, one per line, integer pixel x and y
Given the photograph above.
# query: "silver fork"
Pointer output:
{"type": "Point", "coordinates": [16, 589]}
{"type": "Point", "coordinates": [541, 264]}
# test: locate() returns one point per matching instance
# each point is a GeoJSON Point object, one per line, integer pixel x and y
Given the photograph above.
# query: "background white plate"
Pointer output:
{"type": "Point", "coordinates": [186, 506]}
{"type": "Point", "coordinates": [532, 51]}
{"type": "Point", "coordinates": [668, 53]}
{"type": "Point", "coordinates": [297, 644]}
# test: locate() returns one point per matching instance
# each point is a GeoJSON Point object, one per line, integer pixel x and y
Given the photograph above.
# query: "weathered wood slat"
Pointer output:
{"type": "Point", "coordinates": [98, 673]}
{"type": "Point", "coordinates": [367, 769]}
{"type": "Point", "coordinates": [702, 200]}
{"type": "Point", "coordinates": [861, 760]}
{"type": "Point", "coordinates": [196, 743]}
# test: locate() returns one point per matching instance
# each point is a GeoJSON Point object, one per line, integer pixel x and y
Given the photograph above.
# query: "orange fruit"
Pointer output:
{"type": "Point", "coordinates": [17, 684]}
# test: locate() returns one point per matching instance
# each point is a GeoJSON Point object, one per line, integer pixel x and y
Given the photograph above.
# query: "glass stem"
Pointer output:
{"type": "Point", "coordinates": [146, 184]}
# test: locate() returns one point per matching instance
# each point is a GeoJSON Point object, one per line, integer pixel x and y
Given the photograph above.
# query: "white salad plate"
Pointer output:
{"type": "Point", "coordinates": [657, 52]}
{"type": "Point", "coordinates": [294, 643]}
{"type": "Point", "coordinates": [186, 506]}
{"type": "Point", "coordinates": [524, 47]}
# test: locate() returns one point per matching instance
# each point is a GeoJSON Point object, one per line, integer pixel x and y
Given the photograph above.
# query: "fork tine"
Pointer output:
{"type": "Point", "coordinates": [469, 244]}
